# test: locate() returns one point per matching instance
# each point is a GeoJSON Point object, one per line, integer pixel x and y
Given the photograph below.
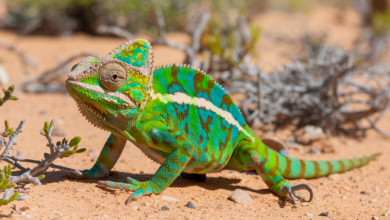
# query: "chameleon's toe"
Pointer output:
{"type": "Point", "coordinates": [139, 188]}
{"type": "Point", "coordinates": [291, 191]}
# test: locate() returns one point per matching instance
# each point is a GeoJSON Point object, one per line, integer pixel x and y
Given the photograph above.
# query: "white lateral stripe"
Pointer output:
{"type": "Point", "coordinates": [97, 89]}
{"type": "Point", "coordinates": [182, 98]}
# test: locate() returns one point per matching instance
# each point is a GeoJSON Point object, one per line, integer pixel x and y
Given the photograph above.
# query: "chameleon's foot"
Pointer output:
{"type": "Point", "coordinates": [194, 176]}
{"type": "Point", "coordinates": [139, 188]}
{"type": "Point", "coordinates": [291, 191]}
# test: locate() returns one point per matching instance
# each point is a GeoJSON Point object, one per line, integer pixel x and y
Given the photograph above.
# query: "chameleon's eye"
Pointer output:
{"type": "Point", "coordinates": [112, 76]}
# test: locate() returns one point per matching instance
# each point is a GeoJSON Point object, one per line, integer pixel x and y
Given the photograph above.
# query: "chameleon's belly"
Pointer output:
{"type": "Point", "coordinates": [201, 162]}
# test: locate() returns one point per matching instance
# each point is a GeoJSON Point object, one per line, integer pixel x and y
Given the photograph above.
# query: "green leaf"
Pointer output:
{"type": "Point", "coordinates": [9, 170]}
{"type": "Point", "coordinates": [13, 98]}
{"type": "Point", "coordinates": [75, 141]}
{"type": "Point", "coordinates": [82, 150]}
{"type": "Point", "coordinates": [11, 88]}
{"type": "Point", "coordinates": [6, 125]}
{"type": "Point", "coordinates": [41, 177]}
{"type": "Point", "coordinates": [46, 127]}
{"type": "Point", "coordinates": [68, 153]}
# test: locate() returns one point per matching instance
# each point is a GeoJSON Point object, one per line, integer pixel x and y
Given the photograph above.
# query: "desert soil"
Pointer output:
{"type": "Point", "coordinates": [358, 194]}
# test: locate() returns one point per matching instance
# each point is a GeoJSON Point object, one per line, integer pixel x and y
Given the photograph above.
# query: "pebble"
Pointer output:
{"type": "Point", "coordinates": [324, 214]}
{"type": "Point", "coordinates": [375, 218]}
{"type": "Point", "coordinates": [309, 215]}
{"type": "Point", "coordinates": [241, 197]}
{"type": "Point", "coordinates": [149, 215]}
{"type": "Point", "coordinates": [23, 214]}
{"type": "Point", "coordinates": [19, 153]}
{"type": "Point", "coordinates": [219, 207]}
{"type": "Point", "coordinates": [365, 200]}
{"type": "Point", "coordinates": [58, 132]}
{"type": "Point", "coordinates": [164, 208]}
{"type": "Point", "coordinates": [190, 205]}
{"type": "Point", "coordinates": [80, 190]}
{"type": "Point", "coordinates": [170, 199]}
{"type": "Point", "coordinates": [134, 208]}
{"type": "Point", "coordinates": [305, 203]}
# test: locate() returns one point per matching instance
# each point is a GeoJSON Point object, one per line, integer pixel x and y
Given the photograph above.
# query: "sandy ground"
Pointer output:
{"type": "Point", "coordinates": [357, 194]}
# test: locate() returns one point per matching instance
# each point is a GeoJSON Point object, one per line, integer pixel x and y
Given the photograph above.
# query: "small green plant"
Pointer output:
{"type": "Point", "coordinates": [4, 184]}
{"type": "Point", "coordinates": [8, 95]}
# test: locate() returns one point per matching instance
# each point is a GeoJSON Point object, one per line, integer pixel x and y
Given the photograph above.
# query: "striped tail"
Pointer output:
{"type": "Point", "coordinates": [292, 168]}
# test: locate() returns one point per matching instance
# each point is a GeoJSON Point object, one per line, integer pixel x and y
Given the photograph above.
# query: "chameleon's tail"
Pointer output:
{"type": "Point", "coordinates": [292, 168]}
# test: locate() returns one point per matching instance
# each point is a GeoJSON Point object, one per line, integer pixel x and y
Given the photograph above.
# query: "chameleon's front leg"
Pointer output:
{"type": "Point", "coordinates": [165, 138]}
{"type": "Point", "coordinates": [107, 159]}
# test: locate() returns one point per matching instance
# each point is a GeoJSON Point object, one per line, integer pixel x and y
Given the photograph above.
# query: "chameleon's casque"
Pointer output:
{"type": "Point", "coordinates": [181, 118]}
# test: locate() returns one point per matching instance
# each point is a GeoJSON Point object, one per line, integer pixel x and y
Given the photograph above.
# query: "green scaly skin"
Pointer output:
{"type": "Point", "coordinates": [182, 119]}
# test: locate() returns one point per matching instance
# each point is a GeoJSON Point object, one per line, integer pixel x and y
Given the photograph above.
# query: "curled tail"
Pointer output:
{"type": "Point", "coordinates": [292, 168]}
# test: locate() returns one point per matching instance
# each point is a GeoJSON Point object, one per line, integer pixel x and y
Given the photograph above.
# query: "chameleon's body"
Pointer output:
{"type": "Point", "coordinates": [179, 117]}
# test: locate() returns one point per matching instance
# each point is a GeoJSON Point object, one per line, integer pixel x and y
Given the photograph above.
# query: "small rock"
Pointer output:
{"type": "Point", "coordinates": [94, 158]}
{"type": "Point", "coordinates": [92, 151]}
{"type": "Point", "coordinates": [219, 207]}
{"type": "Point", "coordinates": [23, 214]}
{"type": "Point", "coordinates": [190, 205]}
{"type": "Point", "coordinates": [250, 208]}
{"type": "Point", "coordinates": [365, 200]}
{"type": "Point", "coordinates": [80, 190]}
{"type": "Point", "coordinates": [19, 153]}
{"type": "Point", "coordinates": [164, 208]}
{"type": "Point", "coordinates": [375, 218]}
{"type": "Point", "coordinates": [309, 215]}
{"type": "Point", "coordinates": [155, 201]}
{"type": "Point", "coordinates": [134, 208]}
{"type": "Point", "coordinates": [149, 215]}
{"type": "Point", "coordinates": [58, 132]}
{"type": "Point", "coordinates": [170, 199]}
{"type": "Point", "coordinates": [313, 150]}
{"type": "Point", "coordinates": [305, 203]}
{"type": "Point", "coordinates": [324, 214]}
{"type": "Point", "coordinates": [322, 183]}
{"type": "Point", "coordinates": [241, 197]}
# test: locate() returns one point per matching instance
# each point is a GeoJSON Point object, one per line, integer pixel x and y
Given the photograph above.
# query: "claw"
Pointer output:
{"type": "Point", "coordinates": [303, 186]}
{"type": "Point", "coordinates": [292, 192]}
{"type": "Point", "coordinates": [131, 197]}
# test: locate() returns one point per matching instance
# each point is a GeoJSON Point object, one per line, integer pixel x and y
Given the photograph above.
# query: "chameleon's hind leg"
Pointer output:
{"type": "Point", "coordinates": [268, 172]}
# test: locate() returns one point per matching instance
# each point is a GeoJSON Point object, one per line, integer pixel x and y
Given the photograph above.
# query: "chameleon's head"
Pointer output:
{"type": "Point", "coordinates": [115, 86]}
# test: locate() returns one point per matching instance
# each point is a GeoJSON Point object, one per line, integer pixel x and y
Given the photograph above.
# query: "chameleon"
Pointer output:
{"type": "Point", "coordinates": [180, 118]}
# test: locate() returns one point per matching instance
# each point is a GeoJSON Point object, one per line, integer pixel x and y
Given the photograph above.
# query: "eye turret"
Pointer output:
{"type": "Point", "coordinates": [112, 76]}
